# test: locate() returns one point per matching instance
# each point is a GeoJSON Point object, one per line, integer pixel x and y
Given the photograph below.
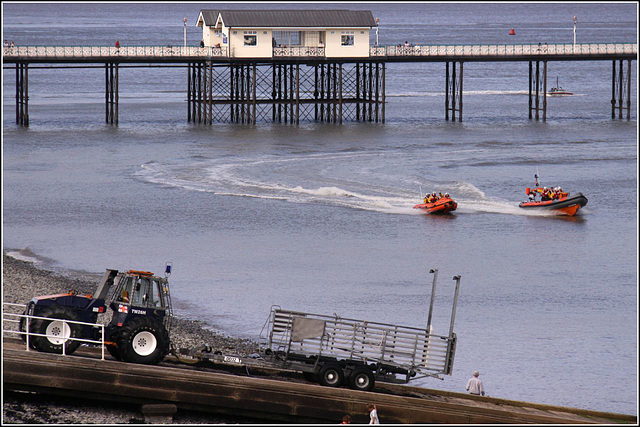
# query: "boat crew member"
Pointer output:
{"type": "Point", "coordinates": [545, 194]}
{"type": "Point", "coordinates": [532, 196]}
{"type": "Point", "coordinates": [447, 195]}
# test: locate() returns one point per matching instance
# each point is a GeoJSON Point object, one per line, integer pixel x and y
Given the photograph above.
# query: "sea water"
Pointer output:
{"type": "Point", "coordinates": [318, 217]}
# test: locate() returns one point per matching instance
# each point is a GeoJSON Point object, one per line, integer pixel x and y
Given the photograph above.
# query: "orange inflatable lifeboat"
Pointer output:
{"type": "Point", "coordinates": [563, 204]}
{"type": "Point", "coordinates": [441, 206]}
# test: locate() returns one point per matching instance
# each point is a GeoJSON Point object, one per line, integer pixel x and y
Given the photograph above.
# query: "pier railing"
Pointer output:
{"type": "Point", "coordinates": [506, 50]}
{"type": "Point", "coordinates": [112, 51]}
{"type": "Point", "coordinates": [298, 51]}
{"type": "Point", "coordinates": [159, 52]}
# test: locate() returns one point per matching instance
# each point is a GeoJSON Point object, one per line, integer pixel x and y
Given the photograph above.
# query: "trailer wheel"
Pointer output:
{"type": "Point", "coordinates": [58, 331]}
{"type": "Point", "coordinates": [143, 340]}
{"type": "Point", "coordinates": [361, 379]}
{"type": "Point", "coordinates": [331, 375]}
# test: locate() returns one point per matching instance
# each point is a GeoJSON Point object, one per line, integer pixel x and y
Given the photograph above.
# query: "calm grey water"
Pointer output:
{"type": "Point", "coordinates": [319, 218]}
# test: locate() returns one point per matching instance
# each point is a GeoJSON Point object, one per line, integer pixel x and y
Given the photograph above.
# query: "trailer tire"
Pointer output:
{"type": "Point", "coordinates": [59, 331]}
{"type": "Point", "coordinates": [361, 379]}
{"type": "Point", "coordinates": [331, 375]}
{"type": "Point", "coordinates": [143, 340]}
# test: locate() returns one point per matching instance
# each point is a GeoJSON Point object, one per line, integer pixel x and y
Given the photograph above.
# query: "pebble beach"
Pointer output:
{"type": "Point", "coordinates": [21, 281]}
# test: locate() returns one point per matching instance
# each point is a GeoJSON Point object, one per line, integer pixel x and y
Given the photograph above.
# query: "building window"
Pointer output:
{"type": "Point", "coordinates": [347, 38]}
{"type": "Point", "coordinates": [286, 38]}
{"type": "Point", "coordinates": [250, 38]}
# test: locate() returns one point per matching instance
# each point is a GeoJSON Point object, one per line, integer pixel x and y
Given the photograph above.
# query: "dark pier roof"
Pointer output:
{"type": "Point", "coordinates": [290, 18]}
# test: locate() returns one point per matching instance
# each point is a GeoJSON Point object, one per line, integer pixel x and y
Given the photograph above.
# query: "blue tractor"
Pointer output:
{"type": "Point", "coordinates": [138, 331]}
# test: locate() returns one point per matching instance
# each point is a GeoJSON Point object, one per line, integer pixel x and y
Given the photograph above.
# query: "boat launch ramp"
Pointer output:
{"type": "Point", "coordinates": [264, 396]}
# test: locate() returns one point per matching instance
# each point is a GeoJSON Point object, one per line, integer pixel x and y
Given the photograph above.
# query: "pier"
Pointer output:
{"type": "Point", "coordinates": [302, 83]}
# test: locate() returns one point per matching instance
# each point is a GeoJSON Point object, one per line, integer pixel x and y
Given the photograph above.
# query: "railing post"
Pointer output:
{"type": "Point", "coordinates": [102, 342]}
{"type": "Point", "coordinates": [64, 341]}
{"type": "Point", "coordinates": [28, 326]}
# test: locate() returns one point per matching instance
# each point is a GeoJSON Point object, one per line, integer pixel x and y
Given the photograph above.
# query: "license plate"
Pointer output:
{"type": "Point", "coordinates": [230, 359]}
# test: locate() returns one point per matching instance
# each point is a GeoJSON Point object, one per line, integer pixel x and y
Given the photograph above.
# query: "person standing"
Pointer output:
{"type": "Point", "coordinates": [474, 385]}
{"type": "Point", "coordinates": [373, 414]}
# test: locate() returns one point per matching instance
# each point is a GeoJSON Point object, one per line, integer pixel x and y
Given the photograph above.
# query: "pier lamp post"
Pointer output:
{"type": "Point", "coordinates": [377, 24]}
{"type": "Point", "coordinates": [575, 21]}
{"type": "Point", "coordinates": [185, 32]}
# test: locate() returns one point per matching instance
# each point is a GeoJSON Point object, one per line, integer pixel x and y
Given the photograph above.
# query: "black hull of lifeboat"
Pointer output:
{"type": "Point", "coordinates": [567, 206]}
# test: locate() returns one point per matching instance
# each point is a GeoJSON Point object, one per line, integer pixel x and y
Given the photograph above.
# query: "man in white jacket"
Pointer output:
{"type": "Point", "coordinates": [474, 385]}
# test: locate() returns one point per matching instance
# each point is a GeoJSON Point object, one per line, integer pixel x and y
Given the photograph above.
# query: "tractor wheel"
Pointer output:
{"type": "Point", "coordinates": [58, 332]}
{"type": "Point", "coordinates": [23, 328]}
{"type": "Point", "coordinates": [114, 351]}
{"type": "Point", "coordinates": [361, 379]}
{"type": "Point", "coordinates": [143, 340]}
{"type": "Point", "coordinates": [331, 375]}
{"type": "Point", "coordinates": [310, 376]}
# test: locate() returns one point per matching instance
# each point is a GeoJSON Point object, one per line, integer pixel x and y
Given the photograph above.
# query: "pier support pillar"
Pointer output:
{"type": "Point", "coordinates": [534, 90]}
{"type": "Point", "coordinates": [200, 85]}
{"type": "Point", "coordinates": [286, 92]}
{"type": "Point", "coordinates": [622, 89]}
{"type": "Point", "coordinates": [111, 93]}
{"type": "Point", "coordinates": [384, 97]}
{"type": "Point", "coordinates": [22, 94]}
{"type": "Point", "coordinates": [453, 91]}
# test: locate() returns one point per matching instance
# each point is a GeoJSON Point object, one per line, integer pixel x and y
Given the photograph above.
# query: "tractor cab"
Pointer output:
{"type": "Point", "coordinates": [139, 293]}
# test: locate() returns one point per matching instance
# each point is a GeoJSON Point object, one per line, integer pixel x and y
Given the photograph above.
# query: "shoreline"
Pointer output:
{"type": "Point", "coordinates": [22, 280]}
